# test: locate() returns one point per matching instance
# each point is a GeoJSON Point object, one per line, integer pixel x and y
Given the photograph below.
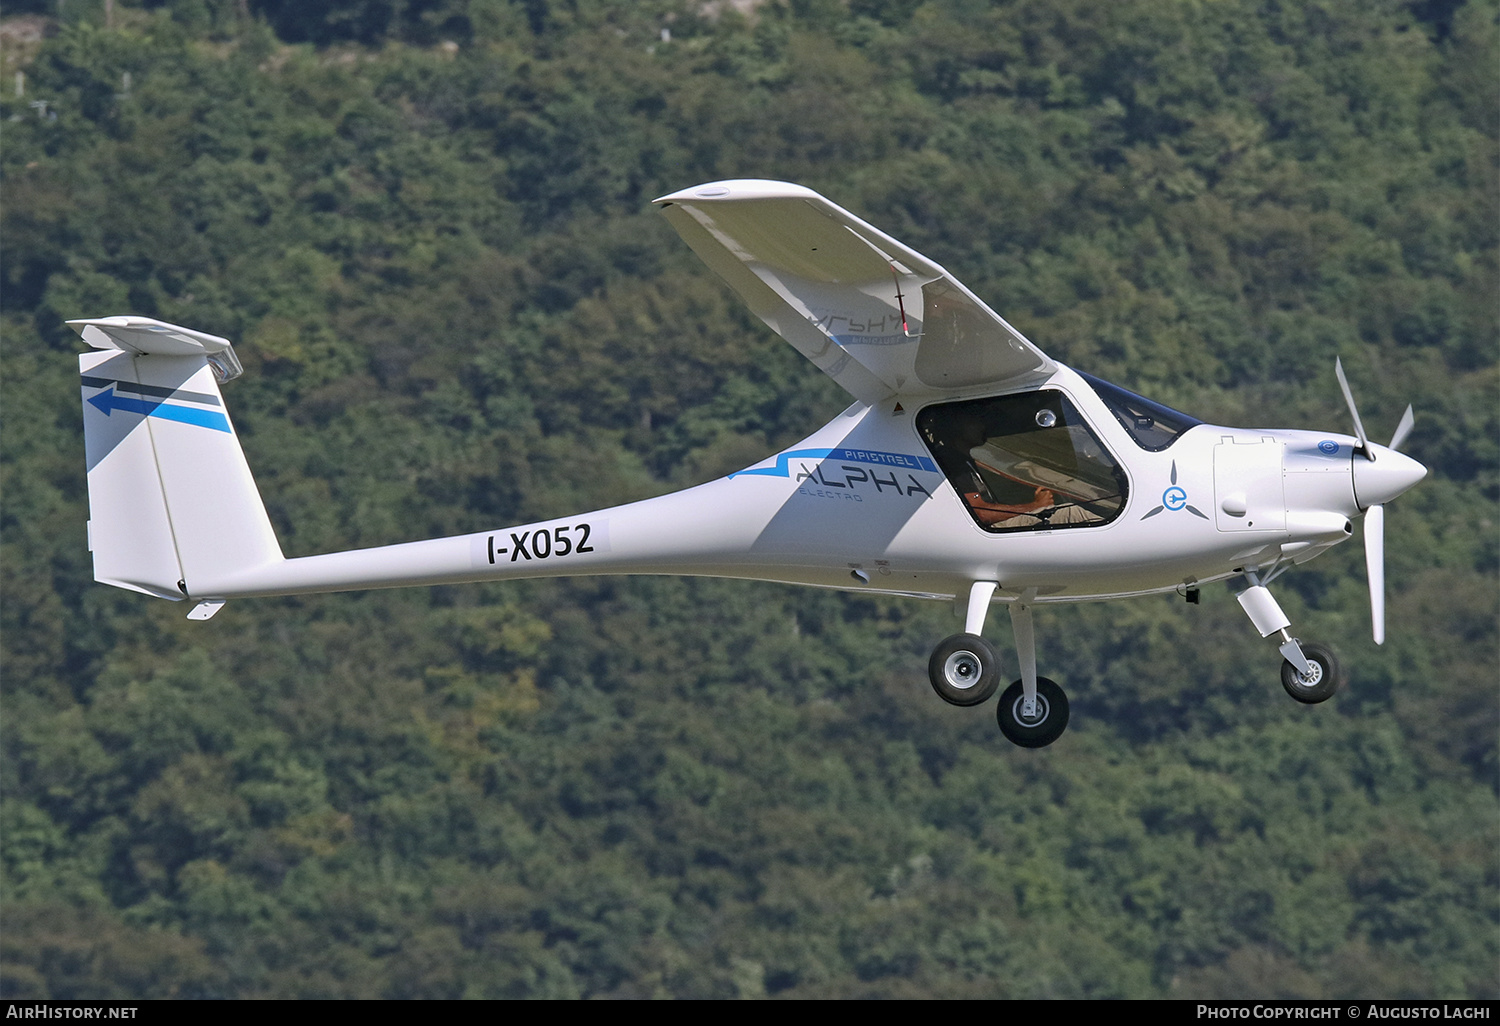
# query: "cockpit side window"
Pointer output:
{"type": "Point", "coordinates": [1152, 425]}
{"type": "Point", "coordinates": [1026, 461]}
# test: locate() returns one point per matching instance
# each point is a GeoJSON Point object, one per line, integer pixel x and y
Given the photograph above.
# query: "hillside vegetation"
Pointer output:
{"type": "Point", "coordinates": [427, 226]}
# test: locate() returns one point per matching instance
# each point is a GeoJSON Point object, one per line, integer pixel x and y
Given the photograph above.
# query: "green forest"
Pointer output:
{"type": "Point", "coordinates": [426, 225]}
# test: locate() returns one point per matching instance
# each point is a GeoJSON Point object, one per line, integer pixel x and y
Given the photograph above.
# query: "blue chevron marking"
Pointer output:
{"type": "Point", "coordinates": [109, 401]}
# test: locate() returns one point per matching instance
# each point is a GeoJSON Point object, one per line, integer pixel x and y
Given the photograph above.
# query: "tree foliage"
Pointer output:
{"type": "Point", "coordinates": [427, 225]}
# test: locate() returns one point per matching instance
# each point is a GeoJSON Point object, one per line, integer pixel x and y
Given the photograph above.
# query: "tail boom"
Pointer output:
{"type": "Point", "coordinates": [714, 537]}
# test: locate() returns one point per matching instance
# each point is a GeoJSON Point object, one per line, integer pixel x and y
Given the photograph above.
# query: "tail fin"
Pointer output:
{"type": "Point", "coordinates": [172, 505]}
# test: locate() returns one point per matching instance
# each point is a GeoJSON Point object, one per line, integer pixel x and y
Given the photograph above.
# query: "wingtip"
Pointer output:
{"type": "Point", "coordinates": [737, 189]}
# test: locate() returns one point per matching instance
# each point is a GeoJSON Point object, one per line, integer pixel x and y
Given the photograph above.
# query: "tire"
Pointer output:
{"type": "Point", "coordinates": [1052, 705]}
{"type": "Point", "coordinates": [964, 670]}
{"type": "Point", "coordinates": [1326, 677]}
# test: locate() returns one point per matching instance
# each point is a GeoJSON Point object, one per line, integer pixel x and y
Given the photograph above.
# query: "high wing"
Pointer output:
{"type": "Point", "coordinates": [879, 318]}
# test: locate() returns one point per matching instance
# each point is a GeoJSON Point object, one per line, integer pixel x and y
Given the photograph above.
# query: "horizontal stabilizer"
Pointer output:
{"type": "Point", "coordinates": [145, 335]}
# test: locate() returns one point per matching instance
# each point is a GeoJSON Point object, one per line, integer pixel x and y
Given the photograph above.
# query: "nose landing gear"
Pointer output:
{"type": "Point", "coordinates": [965, 670]}
{"type": "Point", "coordinates": [1309, 673]}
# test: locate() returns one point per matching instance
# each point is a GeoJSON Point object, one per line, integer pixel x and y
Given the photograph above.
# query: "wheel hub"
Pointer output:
{"type": "Point", "coordinates": [962, 670]}
{"type": "Point", "coordinates": [1312, 678]}
{"type": "Point", "coordinates": [1040, 716]}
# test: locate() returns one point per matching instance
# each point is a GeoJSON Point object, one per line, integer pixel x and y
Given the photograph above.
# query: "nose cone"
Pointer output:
{"type": "Point", "coordinates": [1380, 480]}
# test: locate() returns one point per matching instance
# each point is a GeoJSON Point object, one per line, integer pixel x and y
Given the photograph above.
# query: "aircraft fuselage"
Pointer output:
{"type": "Point", "coordinates": [862, 505]}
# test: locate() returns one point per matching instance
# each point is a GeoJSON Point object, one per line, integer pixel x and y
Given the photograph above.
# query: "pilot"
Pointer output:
{"type": "Point", "coordinates": [1011, 514]}
{"type": "Point", "coordinates": [1043, 508]}
{"type": "Point", "coordinates": [973, 438]}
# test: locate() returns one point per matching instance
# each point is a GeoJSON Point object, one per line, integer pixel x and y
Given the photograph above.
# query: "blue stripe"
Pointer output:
{"type": "Point", "coordinates": [189, 415]}
{"type": "Point", "coordinates": [846, 455]}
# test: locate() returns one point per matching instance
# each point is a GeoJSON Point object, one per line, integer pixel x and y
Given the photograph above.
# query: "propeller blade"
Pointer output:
{"type": "Point", "coordinates": [1402, 429]}
{"type": "Point", "coordinates": [1359, 428]}
{"type": "Point", "coordinates": [1375, 568]}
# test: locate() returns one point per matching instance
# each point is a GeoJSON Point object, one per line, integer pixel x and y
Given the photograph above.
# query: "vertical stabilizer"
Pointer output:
{"type": "Point", "coordinates": [172, 505]}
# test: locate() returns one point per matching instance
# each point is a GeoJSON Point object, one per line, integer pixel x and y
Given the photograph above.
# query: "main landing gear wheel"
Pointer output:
{"type": "Point", "coordinates": [964, 670]}
{"type": "Point", "coordinates": [1045, 727]}
{"type": "Point", "coordinates": [1318, 686]}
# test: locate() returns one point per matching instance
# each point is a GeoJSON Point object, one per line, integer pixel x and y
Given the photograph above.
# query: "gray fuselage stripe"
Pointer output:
{"type": "Point", "coordinates": [156, 390]}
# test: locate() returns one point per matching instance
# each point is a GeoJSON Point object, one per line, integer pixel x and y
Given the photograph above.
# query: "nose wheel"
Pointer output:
{"type": "Point", "coordinates": [1320, 682]}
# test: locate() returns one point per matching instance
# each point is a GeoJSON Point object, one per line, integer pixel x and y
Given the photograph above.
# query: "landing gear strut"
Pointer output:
{"type": "Point", "coordinates": [965, 670]}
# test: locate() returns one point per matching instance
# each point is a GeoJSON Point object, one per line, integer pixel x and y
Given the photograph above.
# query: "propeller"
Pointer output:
{"type": "Point", "coordinates": [1402, 429]}
{"type": "Point", "coordinates": [1359, 428]}
{"type": "Point", "coordinates": [1390, 482]}
{"type": "Point", "coordinates": [1375, 568]}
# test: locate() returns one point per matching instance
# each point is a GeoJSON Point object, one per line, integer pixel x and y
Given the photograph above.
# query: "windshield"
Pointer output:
{"type": "Point", "coordinates": [1152, 425]}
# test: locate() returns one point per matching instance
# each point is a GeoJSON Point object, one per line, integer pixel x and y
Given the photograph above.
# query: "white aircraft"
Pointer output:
{"type": "Point", "coordinates": [971, 467]}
